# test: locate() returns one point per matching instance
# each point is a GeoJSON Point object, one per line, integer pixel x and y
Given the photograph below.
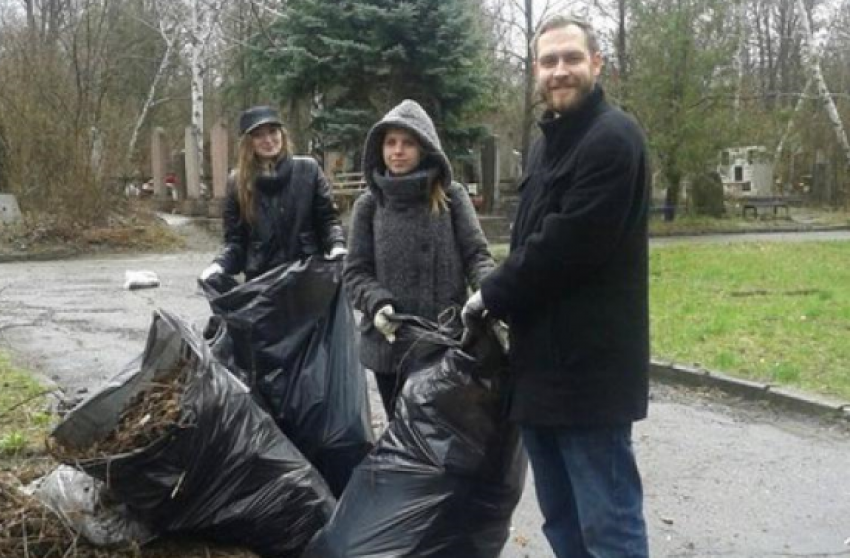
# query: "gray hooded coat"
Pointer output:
{"type": "Point", "coordinates": [402, 253]}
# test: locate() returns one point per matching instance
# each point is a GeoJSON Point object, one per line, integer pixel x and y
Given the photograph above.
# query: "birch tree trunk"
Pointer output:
{"type": "Point", "coordinates": [742, 46]}
{"type": "Point", "coordinates": [790, 126]}
{"type": "Point", "coordinates": [149, 101]}
{"type": "Point", "coordinates": [197, 45]}
{"type": "Point", "coordinates": [823, 91]}
{"type": "Point", "coordinates": [528, 101]}
{"type": "Point", "coordinates": [202, 23]}
{"type": "Point", "coordinates": [802, 100]}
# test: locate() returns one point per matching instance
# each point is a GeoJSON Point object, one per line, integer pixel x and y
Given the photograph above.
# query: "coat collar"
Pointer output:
{"type": "Point", "coordinates": [271, 183]}
{"type": "Point", "coordinates": [560, 130]}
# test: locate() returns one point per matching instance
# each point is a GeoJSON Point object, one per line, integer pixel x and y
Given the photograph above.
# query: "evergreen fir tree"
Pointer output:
{"type": "Point", "coordinates": [355, 59]}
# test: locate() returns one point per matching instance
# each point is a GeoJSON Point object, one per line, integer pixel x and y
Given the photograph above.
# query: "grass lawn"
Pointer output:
{"type": "Point", "coordinates": [773, 312]}
{"type": "Point", "coordinates": [24, 419]}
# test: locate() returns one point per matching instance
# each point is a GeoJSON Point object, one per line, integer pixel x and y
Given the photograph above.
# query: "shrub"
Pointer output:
{"type": "Point", "coordinates": [707, 195]}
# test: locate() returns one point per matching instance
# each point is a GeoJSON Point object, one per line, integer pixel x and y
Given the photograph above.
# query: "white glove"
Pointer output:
{"type": "Point", "coordinates": [336, 253]}
{"type": "Point", "coordinates": [211, 270]}
{"type": "Point", "coordinates": [383, 323]}
{"type": "Point", "coordinates": [473, 310]}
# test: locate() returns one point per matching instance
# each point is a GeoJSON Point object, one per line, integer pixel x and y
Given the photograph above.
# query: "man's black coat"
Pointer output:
{"type": "Point", "coordinates": [574, 287]}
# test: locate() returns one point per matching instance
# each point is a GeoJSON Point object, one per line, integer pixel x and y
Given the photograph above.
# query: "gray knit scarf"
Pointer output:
{"type": "Point", "coordinates": [407, 190]}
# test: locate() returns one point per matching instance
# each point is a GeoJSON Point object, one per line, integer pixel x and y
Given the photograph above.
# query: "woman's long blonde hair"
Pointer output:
{"type": "Point", "coordinates": [439, 200]}
{"type": "Point", "coordinates": [247, 169]}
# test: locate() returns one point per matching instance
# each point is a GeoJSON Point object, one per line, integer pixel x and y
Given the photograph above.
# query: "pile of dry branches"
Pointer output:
{"type": "Point", "coordinates": [29, 529]}
{"type": "Point", "coordinates": [150, 415]}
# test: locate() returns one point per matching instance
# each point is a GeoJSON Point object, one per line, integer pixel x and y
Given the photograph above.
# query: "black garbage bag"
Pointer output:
{"type": "Point", "coordinates": [293, 333]}
{"type": "Point", "coordinates": [223, 472]}
{"type": "Point", "coordinates": [223, 348]}
{"type": "Point", "coordinates": [445, 477]}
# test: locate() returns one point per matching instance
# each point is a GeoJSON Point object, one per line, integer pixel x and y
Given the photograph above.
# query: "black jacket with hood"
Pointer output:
{"type": "Point", "coordinates": [402, 253]}
{"type": "Point", "coordinates": [295, 217]}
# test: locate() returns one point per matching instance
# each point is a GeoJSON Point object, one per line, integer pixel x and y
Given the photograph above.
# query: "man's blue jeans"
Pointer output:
{"type": "Point", "coordinates": [589, 491]}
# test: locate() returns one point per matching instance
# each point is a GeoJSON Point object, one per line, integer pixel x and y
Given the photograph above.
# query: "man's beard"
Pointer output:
{"type": "Point", "coordinates": [576, 91]}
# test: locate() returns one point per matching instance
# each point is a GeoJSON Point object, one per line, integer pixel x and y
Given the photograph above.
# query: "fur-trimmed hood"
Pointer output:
{"type": "Point", "coordinates": [408, 115]}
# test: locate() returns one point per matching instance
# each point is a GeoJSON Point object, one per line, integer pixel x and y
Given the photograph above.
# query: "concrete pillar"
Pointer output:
{"type": "Point", "coordinates": [219, 154]}
{"type": "Point", "coordinates": [159, 162]}
{"type": "Point", "coordinates": [489, 173]}
{"type": "Point", "coordinates": [179, 165]}
{"type": "Point", "coordinates": [97, 140]}
{"type": "Point", "coordinates": [193, 166]}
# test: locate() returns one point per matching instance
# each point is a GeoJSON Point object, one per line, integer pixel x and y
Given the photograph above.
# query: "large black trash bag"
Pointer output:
{"type": "Point", "coordinates": [293, 332]}
{"type": "Point", "coordinates": [226, 473]}
{"type": "Point", "coordinates": [447, 474]}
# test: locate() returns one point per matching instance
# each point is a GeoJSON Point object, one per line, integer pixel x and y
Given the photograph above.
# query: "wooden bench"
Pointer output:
{"type": "Point", "coordinates": [667, 212]}
{"type": "Point", "coordinates": [755, 204]}
{"type": "Point", "coordinates": [347, 187]}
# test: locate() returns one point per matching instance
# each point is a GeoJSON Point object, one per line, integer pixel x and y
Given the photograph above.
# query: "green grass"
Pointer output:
{"type": "Point", "coordinates": [772, 312]}
{"type": "Point", "coordinates": [799, 217]}
{"type": "Point", "coordinates": [500, 251]}
{"type": "Point", "coordinates": [24, 419]}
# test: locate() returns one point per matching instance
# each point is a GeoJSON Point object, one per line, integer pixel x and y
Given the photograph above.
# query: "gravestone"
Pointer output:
{"type": "Point", "coordinates": [9, 211]}
{"type": "Point", "coordinates": [158, 162]}
{"type": "Point", "coordinates": [219, 153]}
{"type": "Point", "coordinates": [179, 166]}
{"type": "Point", "coordinates": [489, 173]}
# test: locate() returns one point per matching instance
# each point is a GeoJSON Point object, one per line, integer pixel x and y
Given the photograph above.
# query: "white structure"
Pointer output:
{"type": "Point", "coordinates": [9, 210]}
{"type": "Point", "coordinates": [746, 171]}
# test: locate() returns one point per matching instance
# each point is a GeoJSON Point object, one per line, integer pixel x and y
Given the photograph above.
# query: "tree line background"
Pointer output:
{"type": "Point", "coordinates": [83, 82]}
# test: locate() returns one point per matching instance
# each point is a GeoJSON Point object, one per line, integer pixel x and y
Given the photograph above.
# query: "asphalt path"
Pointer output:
{"type": "Point", "coordinates": [722, 477]}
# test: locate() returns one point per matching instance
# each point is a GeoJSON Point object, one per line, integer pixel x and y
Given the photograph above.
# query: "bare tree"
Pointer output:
{"type": "Point", "coordinates": [804, 96]}
{"type": "Point", "coordinates": [202, 24]}
{"type": "Point", "coordinates": [519, 21]}
{"type": "Point", "coordinates": [823, 90]}
{"type": "Point", "coordinates": [170, 35]}
{"type": "Point", "coordinates": [46, 19]}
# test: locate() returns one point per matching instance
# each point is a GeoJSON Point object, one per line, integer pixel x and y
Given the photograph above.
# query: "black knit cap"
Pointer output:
{"type": "Point", "coordinates": [255, 117]}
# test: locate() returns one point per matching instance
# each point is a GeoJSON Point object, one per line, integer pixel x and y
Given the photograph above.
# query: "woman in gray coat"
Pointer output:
{"type": "Point", "coordinates": [415, 244]}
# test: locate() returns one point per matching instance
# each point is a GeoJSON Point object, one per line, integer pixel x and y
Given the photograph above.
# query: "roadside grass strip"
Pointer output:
{"type": "Point", "coordinates": [24, 414]}
{"type": "Point", "coordinates": [777, 313]}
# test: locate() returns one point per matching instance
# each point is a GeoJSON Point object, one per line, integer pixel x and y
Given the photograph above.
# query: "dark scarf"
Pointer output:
{"type": "Point", "coordinates": [271, 183]}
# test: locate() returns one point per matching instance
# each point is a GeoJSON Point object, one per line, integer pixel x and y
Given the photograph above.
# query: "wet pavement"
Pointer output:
{"type": "Point", "coordinates": [722, 477]}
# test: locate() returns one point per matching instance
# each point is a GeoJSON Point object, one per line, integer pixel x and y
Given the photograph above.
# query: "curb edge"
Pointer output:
{"type": "Point", "coordinates": [778, 396]}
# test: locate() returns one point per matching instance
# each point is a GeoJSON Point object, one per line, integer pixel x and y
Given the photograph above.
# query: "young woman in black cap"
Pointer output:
{"type": "Point", "coordinates": [278, 207]}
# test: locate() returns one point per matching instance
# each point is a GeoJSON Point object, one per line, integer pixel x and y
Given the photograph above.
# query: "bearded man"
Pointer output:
{"type": "Point", "coordinates": [574, 291]}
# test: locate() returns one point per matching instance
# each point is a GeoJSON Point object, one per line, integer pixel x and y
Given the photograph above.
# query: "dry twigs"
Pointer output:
{"type": "Point", "coordinates": [30, 530]}
{"type": "Point", "coordinates": [150, 416]}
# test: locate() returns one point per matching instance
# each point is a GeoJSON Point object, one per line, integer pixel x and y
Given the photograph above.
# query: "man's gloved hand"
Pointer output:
{"type": "Point", "coordinates": [384, 325]}
{"type": "Point", "coordinates": [473, 311]}
{"type": "Point", "coordinates": [210, 271]}
{"type": "Point", "coordinates": [336, 253]}
{"type": "Point", "coordinates": [472, 317]}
